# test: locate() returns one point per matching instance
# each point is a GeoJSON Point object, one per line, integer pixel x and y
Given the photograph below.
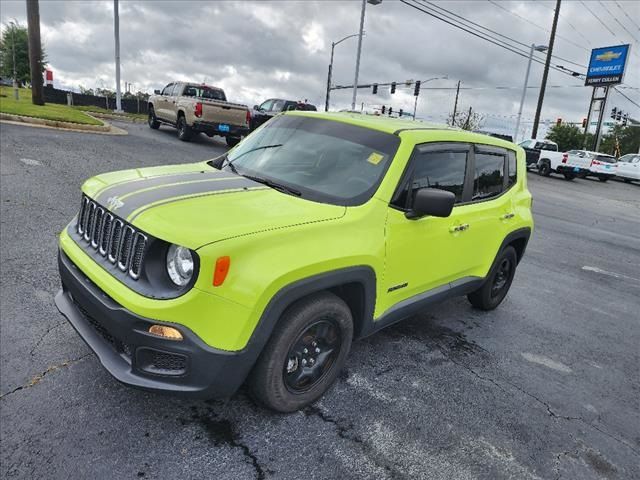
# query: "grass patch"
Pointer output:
{"type": "Point", "coordinates": [91, 108]}
{"type": "Point", "coordinates": [49, 111]}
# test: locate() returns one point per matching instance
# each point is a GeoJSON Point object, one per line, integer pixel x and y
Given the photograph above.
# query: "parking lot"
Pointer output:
{"type": "Point", "coordinates": [546, 386]}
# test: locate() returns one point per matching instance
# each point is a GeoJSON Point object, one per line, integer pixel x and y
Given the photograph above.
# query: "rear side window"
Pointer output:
{"type": "Point", "coordinates": [488, 178]}
{"type": "Point", "coordinates": [435, 169]}
{"type": "Point", "coordinates": [512, 168]}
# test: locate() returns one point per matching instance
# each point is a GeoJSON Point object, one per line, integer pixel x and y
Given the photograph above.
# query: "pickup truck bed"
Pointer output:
{"type": "Point", "coordinates": [569, 164]}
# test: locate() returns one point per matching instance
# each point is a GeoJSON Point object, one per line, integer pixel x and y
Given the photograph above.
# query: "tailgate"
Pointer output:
{"type": "Point", "coordinates": [224, 113]}
{"type": "Point", "coordinates": [576, 161]}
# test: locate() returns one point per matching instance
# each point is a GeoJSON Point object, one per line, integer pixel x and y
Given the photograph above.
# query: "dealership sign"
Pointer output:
{"type": "Point", "coordinates": [606, 66]}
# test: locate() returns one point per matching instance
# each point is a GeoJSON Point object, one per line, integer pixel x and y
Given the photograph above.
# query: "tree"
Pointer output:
{"type": "Point", "coordinates": [626, 138]}
{"type": "Point", "coordinates": [568, 137]}
{"type": "Point", "coordinates": [466, 120]}
{"type": "Point", "coordinates": [17, 33]}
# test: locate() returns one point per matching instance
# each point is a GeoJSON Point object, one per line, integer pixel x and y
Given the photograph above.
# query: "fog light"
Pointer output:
{"type": "Point", "coordinates": [165, 332]}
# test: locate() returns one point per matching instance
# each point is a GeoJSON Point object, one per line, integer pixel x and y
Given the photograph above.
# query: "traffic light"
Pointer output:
{"type": "Point", "coordinates": [613, 112]}
{"type": "Point", "coordinates": [416, 89]}
{"type": "Point", "coordinates": [625, 119]}
{"type": "Point", "coordinates": [400, 113]}
{"type": "Point", "coordinates": [558, 122]}
{"type": "Point", "coordinates": [393, 87]}
{"type": "Point", "coordinates": [584, 123]}
{"type": "Point", "coordinates": [390, 111]}
{"type": "Point", "coordinates": [383, 109]}
{"type": "Point", "coordinates": [375, 89]}
{"type": "Point", "coordinates": [619, 115]}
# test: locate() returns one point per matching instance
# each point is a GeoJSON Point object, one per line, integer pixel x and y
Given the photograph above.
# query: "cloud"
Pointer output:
{"type": "Point", "coordinates": [257, 50]}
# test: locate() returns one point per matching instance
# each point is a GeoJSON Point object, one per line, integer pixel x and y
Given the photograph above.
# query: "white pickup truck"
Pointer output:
{"type": "Point", "coordinates": [571, 164]}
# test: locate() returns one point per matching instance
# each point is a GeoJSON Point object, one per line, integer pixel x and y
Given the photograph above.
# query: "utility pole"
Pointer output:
{"type": "Point", "coordinates": [545, 74]}
{"type": "Point", "coordinates": [16, 94]}
{"type": "Point", "coordinates": [116, 32]}
{"type": "Point", "coordinates": [35, 52]}
{"type": "Point", "coordinates": [455, 106]}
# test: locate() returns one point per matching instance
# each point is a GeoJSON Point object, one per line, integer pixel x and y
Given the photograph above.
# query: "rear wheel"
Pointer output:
{"type": "Point", "coordinates": [544, 169]}
{"type": "Point", "coordinates": [152, 120]}
{"type": "Point", "coordinates": [184, 131]}
{"type": "Point", "coordinates": [304, 355]}
{"type": "Point", "coordinates": [232, 141]}
{"type": "Point", "coordinates": [498, 282]}
{"type": "Point", "coordinates": [569, 176]}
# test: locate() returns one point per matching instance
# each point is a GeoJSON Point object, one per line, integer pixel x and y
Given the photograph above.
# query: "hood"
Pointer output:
{"type": "Point", "coordinates": [193, 205]}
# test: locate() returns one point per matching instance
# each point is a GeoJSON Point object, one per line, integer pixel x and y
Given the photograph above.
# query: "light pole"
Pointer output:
{"type": "Point", "coordinates": [355, 81]}
{"type": "Point", "coordinates": [330, 74]}
{"type": "Point", "coordinates": [16, 95]}
{"type": "Point", "coordinates": [415, 104]}
{"type": "Point", "coordinates": [116, 32]}
{"type": "Point", "coordinates": [537, 48]}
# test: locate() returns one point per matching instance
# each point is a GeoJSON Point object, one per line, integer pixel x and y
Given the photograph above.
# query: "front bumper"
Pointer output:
{"type": "Point", "coordinates": [213, 128]}
{"type": "Point", "coordinates": [137, 358]}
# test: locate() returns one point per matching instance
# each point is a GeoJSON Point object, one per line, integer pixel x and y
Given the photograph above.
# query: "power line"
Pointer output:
{"type": "Point", "coordinates": [627, 15]}
{"type": "Point", "coordinates": [483, 36]}
{"type": "Point", "coordinates": [497, 33]}
{"type": "Point", "coordinates": [599, 19]}
{"type": "Point", "coordinates": [616, 19]}
{"type": "Point", "coordinates": [620, 93]}
{"type": "Point", "coordinates": [524, 19]}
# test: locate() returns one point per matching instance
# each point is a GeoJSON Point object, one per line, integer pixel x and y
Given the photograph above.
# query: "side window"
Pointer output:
{"type": "Point", "coordinates": [512, 168]}
{"type": "Point", "coordinates": [526, 144]}
{"type": "Point", "coordinates": [278, 106]}
{"type": "Point", "coordinates": [488, 180]}
{"type": "Point", "coordinates": [435, 169]}
{"type": "Point", "coordinates": [177, 89]}
{"type": "Point", "coordinates": [167, 90]}
{"type": "Point", "coordinates": [266, 106]}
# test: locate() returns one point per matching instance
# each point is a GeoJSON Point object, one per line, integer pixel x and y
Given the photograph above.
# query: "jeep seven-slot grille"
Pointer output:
{"type": "Point", "coordinates": [113, 238]}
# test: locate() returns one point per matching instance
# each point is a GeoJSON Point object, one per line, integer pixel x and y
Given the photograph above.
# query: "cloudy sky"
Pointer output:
{"type": "Point", "coordinates": [257, 50]}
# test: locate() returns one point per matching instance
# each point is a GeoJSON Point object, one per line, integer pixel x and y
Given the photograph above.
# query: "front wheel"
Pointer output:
{"type": "Point", "coordinates": [603, 179]}
{"type": "Point", "coordinates": [184, 131]}
{"type": "Point", "coordinates": [304, 355]}
{"type": "Point", "coordinates": [544, 169]}
{"type": "Point", "coordinates": [152, 120]}
{"type": "Point", "coordinates": [497, 283]}
{"type": "Point", "coordinates": [569, 176]}
{"type": "Point", "coordinates": [232, 141]}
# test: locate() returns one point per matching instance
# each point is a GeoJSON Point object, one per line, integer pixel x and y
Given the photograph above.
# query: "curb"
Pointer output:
{"type": "Point", "coordinates": [120, 118]}
{"type": "Point", "coordinates": [105, 129]}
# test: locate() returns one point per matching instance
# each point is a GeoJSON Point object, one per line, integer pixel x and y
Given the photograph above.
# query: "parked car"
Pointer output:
{"type": "Point", "coordinates": [570, 164]}
{"type": "Point", "coordinates": [269, 108]}
{"type": "Point", "coordinates": [264, 264]}
{"type": "Point", "coordinates": [602, 166]}
{"type": "Point", "coordinates": [533, 147]}
{"type": "Point", "coordinates": [628, 167]}
{"type": "Point", "coordinates": [193, 108]}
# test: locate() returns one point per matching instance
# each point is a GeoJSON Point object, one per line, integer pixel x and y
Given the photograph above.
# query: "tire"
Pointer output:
{"type": "Point", "coordinates": [232, 141]}
{"type": "Point", "coordinates": [603, 179]}
{"type": "Point", "coordinates": [544, 169]}
{"type": "Point", "coordinates": [152, 120]}
{"type": "Point", "coordinates": [569, 176]}
{"type": "Point", "coordinates": [626, 180]}
{"type": "Point", "coordinates": [273, 381]}
{"type": "Point", "coordinates": [498, 282]}
{"type": "Point", "coordinates": [184, 131]}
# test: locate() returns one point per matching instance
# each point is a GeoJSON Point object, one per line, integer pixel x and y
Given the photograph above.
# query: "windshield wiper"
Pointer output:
{"type": "Point", "coordinates": [274, 185]}
{"type": "Point", "coordinates": [263, 147]}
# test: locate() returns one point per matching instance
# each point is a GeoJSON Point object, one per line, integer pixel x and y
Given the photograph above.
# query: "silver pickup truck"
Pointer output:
{"type": "Point", "coordinates": [194, 108]}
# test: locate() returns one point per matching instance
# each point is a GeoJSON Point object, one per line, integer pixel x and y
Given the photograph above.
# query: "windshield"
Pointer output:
{"type": "Point", "coordinates": [323, 160]}
{"type": "Point", "coordinates": [204, 92]}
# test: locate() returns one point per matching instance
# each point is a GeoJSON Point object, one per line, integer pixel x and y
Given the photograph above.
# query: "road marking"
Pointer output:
{"type": "Point", "coordinates": [28, 161]}
{"type": "Point", "coordinates": [587, 268]}
{"type": "Point", "coordinates": [546, 362]}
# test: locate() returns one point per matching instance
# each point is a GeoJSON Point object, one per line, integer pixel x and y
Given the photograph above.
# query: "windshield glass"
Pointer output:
{"type": "Point", "coordinates": [203, 92]}
{"type": "Point", "coordinates": [326, 161]}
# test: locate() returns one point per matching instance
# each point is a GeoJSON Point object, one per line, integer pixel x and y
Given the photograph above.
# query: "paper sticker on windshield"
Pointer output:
{"type": "Point", "coordinates": [375, 158]}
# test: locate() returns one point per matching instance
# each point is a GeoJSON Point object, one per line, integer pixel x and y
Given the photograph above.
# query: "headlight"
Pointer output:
{"type": "Point", "coordinates": [179, 265]}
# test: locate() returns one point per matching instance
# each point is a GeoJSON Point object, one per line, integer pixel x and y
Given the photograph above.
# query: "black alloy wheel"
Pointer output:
{"type": "Point", "coordinates": [502, 277]}
{"type": "Point", "coordinates": [312, 355]}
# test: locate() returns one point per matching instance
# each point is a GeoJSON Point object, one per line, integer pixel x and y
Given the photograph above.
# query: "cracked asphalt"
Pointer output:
{"type": "Point", "coordinates": [547, 386]}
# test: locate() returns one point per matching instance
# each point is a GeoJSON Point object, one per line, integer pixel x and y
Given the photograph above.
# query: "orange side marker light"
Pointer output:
{"type": "Point", "coordinates": [221, 270]}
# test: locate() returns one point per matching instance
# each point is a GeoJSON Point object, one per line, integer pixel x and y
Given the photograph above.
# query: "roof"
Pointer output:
{"type": "Point", "coordinates": [417, 129]}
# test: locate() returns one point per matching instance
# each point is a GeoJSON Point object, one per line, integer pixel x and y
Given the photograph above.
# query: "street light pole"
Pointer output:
{"type": "Point", "coordinates": [116, 31]}
{"type": "Point", "coordinates": [330, 74]}
{"type": "Point", "coordinates": [355, 81]}
{"type": "Point", "coordinates": [537, 48]}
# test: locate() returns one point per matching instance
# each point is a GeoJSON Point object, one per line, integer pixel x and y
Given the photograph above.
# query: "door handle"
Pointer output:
{"type": "Point", "coordinates": [507, 216]}
{"type": "Point", "coordinates": [459, 228]}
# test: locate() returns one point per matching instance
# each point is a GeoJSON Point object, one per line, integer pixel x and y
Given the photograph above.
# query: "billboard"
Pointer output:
{"type": "Point", "coordinates": [606, 65]}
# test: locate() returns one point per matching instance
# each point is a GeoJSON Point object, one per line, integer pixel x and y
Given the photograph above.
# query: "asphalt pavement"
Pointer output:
{"type": "Point", "coordinates": [546, 386]}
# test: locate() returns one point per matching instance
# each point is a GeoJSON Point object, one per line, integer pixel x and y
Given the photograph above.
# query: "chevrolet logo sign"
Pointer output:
{"type": "Point", "coordinates": [608, 56]}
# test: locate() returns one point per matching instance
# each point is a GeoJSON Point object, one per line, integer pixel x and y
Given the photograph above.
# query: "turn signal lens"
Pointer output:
{"type": "Point", "coordinates": [165, 332]}
{"type": "Point", "coordinates": [221, 270]}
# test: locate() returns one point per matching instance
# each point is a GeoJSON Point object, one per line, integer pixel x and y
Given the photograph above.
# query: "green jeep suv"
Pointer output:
{"type": "Point", "coordinates": [263, 265]}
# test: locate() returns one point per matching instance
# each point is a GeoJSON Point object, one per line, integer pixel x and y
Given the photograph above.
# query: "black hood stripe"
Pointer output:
{"type": "Point", "coordinates": [131, 186]}
{"type": "Point", "coordinates": [137, 200]}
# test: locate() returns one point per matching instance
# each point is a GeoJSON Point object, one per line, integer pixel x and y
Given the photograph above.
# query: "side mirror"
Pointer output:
{"type": "Point", "coordinates": [431, 201]}
{"type": "Point", "coordinates": [256, 107]}
{"type": "Point", "coordinates": [156, 92]}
